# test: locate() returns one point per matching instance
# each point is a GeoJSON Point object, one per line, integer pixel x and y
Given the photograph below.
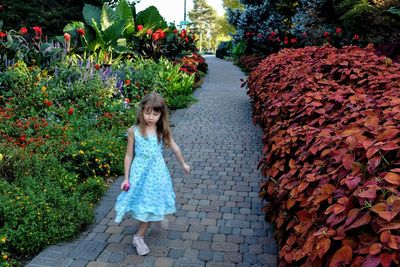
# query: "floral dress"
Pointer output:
{"type": "Point", "coordinates": [151, 195]}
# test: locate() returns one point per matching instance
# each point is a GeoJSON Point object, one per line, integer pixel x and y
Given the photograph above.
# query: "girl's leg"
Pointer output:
{"type": "Point", "coordinates": [138, 242]}
{"type": "Point", "coordinates": [142, 228]}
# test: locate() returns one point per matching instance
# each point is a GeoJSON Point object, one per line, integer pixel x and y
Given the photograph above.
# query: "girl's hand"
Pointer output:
{"type": "Point", "coordinates": [124, 185]}
{"type": "Point", "coordinates": [186, 168]}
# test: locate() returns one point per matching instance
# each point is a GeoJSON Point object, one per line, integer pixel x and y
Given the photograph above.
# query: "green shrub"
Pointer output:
{"type": "Point", "coordinates": [43, 205]}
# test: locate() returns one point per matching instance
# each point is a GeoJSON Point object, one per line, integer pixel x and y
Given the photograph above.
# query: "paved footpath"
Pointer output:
{"type": "Point", "coordinates": [218, 220]}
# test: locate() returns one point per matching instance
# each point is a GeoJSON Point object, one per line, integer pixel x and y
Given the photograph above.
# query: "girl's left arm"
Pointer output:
{"type": "Point", "coordinates": [178, 154]}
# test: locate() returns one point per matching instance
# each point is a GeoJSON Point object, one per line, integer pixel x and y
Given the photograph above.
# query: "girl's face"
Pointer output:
{"type": "Point", "coordinates": [151, 116]}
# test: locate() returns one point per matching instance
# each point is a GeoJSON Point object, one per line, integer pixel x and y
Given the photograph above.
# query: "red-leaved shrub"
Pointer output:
{"type": "Point", "coordinates": [331, 121]}
{"type": "Point", "coordinates": [248, 62]}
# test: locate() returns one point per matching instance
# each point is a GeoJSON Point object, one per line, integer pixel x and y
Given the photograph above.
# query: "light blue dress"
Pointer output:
{"type": "Point", "coordinates": [151, 195]}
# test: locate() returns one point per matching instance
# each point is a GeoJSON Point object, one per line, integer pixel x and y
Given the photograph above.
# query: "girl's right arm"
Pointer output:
{"type": "Point", "coordinates": [128, 157]}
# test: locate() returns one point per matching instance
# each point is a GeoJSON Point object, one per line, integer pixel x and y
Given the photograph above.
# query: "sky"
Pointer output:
{"type": "Point", "coordinates": [172, 10]}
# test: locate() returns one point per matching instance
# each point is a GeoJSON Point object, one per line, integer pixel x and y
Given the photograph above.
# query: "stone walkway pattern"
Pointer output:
{"type": "Point", "coordinates": [218, 222]}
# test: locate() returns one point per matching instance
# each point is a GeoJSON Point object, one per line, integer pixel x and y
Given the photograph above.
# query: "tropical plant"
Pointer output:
{"type": "Point", "coordinates": [28, 45]}
{"type": "Point", "coordinates": [150, 18]}
{"type": "Point", "coordinates": [109, 29]}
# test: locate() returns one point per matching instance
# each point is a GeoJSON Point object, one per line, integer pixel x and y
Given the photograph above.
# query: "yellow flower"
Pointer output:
{"type": "Point", "coordinates": [3, 239]}
{"type": "Point", "coordinates": [44, 89]}
{"type": "Point", "coordinates": [1, 157]}
{"type": "Point", "coordinates": [5, 257]}
{"type": "Point", "coordinates": [81, 152]}
{"type": "Point", "coordinates": [97, 160]}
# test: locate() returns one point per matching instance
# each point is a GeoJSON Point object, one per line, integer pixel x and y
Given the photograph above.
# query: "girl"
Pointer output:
{"type": "Point", "coordinates": [148, 194]}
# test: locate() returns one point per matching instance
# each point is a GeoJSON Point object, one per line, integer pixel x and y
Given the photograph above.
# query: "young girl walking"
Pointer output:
{"type": "Point", "coordinates": [148, 195]}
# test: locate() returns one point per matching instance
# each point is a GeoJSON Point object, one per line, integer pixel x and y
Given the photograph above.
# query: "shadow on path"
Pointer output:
{"type": "Point", "coordinates": [218, 220]}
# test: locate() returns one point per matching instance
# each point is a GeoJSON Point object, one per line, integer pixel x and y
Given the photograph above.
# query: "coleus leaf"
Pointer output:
{"type": "Point", "coordinates": [392, 178]}
{"type": "Point", "coordinates": [342, 256]}
{"type": "Point", "coordinates": [375, 248]}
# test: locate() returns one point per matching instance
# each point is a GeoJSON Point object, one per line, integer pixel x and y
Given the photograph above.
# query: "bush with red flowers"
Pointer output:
{"type": "Point", "coordinates": [331, 120]}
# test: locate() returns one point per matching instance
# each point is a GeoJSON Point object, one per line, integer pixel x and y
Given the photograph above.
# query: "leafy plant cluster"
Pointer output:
{"type": "Point", "coordinates": [249, 62]}
{"type": "Point", "coordinates": [331, 154]}
{"type": "Point", "coordinates": [107, 35]}
{"type": "Point", "coordinates": [312, 23]}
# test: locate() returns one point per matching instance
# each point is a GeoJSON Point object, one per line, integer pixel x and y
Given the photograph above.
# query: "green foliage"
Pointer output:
{"type": "Point", "coordinates": [224, 49]}
{"type": "Point", "coordinates": [181, 101]}
{"type": "Point", "coordinates": [234, 4]}
{"type": "Point", "coordinates": [50, 14]}
{"type": "Point", "coordinates": [163, 77]}
{"type": "Point", "coordinates": [239, 48]}
{"type": "Point", "coordinates": [38, 209]}
{"type": "Point", "coordinates": [357, 15]}
{"type": "Point", "coordinates": [110, 28]}
{"type": "Point", "coordinates": [394, 11]}
{"type": "Point", "coordinates": [203, 18]}
{"type": "Point", "coordinates": [94, 152]}
{"type": "Point", "coordinates": [151, 18]}
{"type": "Point", "coordinates": [29, 47]}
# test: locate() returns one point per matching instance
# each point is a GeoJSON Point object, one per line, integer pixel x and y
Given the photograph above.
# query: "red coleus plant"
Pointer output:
{"type": "Point", "coordinates": [331, 120]}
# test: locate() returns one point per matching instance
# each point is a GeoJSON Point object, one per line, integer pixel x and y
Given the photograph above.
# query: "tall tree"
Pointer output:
{"type": "Point", "coordinates": [233, 4]}
{"type": "Point", "coordinates": [203, 18]}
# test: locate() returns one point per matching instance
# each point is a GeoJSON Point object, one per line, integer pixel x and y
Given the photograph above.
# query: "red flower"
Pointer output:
{"type": "Point", "coordinates": [186, 40]}
{"type": "Point", "coordinates": [67, 37]}
{"type": "Point", "coordinates": [139, 27]}
{"type": "Point", "coordinates": [22, 138]}
{"type": "Point", "coordinates": [70, 111]}
{"type": "Point", "coordinates": [159, 34]}
{"type": "Point", "coordinates": [338, 30]}
{"type": "Point", "coordinates": [149, 31]}
{"type": "Point", "coordinates": [127, 82]}
{"type": "Point", "coordinates": [326, 34]}
{"type": "Point", "coordinates": [278, 40]}
{"type": "Point", "coordinates": [293, 40]}
{"type": "Point", "coordinates": [183, 33]}
{"type": "Point", "coordinates": [38, 32]}
{"type": "Point", "coordinates": [127, 100]}
{"type": "Point", "coordinates": [2, 35]}
{"type": "Point", "coordinates": [48, 103]}
{"type": "Point", "coordinates": [175, 31]}
{"type": "Point", "coordinates": [356, 37]}
{"type": "Point", "coordinates": [285, 40]}
{"type": "Point", "coordinates": [273, 34]}
{"type": "Point", "coordinates": [97, 66]}
{"type": "Point", "coordinates": [81, 32]}
{"type": "Point", "coordinates": [23, 31]}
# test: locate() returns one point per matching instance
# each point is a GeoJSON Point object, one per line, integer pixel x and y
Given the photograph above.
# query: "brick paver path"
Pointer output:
{"type": "Point", "coordinates": [218, 220]}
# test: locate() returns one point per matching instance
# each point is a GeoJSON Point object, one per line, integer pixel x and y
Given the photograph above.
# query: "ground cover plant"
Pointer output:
{"type": "Point", "coordinates": [332, 154]}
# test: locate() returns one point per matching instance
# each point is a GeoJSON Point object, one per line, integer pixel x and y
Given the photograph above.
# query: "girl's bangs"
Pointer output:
{"type": "Point", "coordinates": [152, 106]}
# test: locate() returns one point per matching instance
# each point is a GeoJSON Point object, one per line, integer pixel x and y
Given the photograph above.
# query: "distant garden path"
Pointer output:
{"type": "Point", "coordinates": [218, 220]}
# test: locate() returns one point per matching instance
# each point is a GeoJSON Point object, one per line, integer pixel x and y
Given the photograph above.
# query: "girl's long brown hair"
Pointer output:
{"type": "Point", "coordinates": [154, 101]}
